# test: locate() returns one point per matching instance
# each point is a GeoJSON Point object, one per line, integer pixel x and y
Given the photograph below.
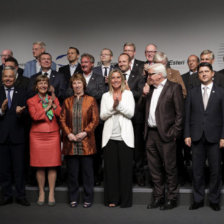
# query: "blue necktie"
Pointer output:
{"type": "Point", "coordinates": [9, 98]}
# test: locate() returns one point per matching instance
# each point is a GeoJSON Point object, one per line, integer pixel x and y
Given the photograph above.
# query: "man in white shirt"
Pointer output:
{"type": "Point", "coordinates": [204, 133]}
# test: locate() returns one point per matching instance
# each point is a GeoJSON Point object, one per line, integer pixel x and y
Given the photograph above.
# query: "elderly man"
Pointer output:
{"type": "Point", "coordinates": [32, 67]}
{"type": "Point", "coordinates": [163, 125]}
{"type": "Point", "coordinates": [12, 139]}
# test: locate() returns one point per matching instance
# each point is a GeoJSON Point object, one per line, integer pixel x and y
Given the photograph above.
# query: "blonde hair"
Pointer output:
{"type": "Point", "coordinates": [123, 84]}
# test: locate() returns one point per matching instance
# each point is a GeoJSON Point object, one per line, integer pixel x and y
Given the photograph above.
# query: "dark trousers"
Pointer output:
{"type": "Point", "coordinates": [162, 165]}
{"type": "Point", "coordinates": [202, 150]}
{"type": "Point", "coordinates": [118, 158]}
{"type": "Point", "coordinates": [139, 152]}
{"type": "Point", "coordinates": [74, 163]}
{"type": "Point", "coordinates": [12, 164]}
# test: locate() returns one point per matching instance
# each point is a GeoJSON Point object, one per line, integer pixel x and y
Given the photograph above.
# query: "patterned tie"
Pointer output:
{"type": "Point", "coordinates": [9, 98]}
{"type": "Point", "coordinates": [105, 71]}
{"type": "Point", "coordinates": [205, 97]}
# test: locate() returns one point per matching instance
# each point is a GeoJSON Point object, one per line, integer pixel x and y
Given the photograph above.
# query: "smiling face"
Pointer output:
{"type": "Point", "coordinates": [205, 74]}
{"type": "Point", "coordinates": [116, 80]}
{"type": "Point", "coordinates": [45, 61]}
{"type": "Point", "coordinates": [42, 87]}
{"type": "Point", "coordinates": [78, 87]}
{"type": "Point", "coordinates": [123, 63]}
{"type": "Point", "coordinates": [154, 78]}
{"type": "Point", "coordinates": [86, 65]}
{"type": "Point", "coordinates": [150, 51]}
{"type": "Point", "coordinates": [8, 78]}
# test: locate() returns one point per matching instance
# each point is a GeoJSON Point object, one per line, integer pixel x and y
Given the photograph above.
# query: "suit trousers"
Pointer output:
{"type": "Point", "coordinates": [202, 150]}
{"type": "Point", "coordinates": [162, 165]}
{"type": "Point", "coordinates": [74, 163]}
{"type": "Point", "coordinates": [12, 164]}
{"type": "Point", "coordinates": [118, 159]}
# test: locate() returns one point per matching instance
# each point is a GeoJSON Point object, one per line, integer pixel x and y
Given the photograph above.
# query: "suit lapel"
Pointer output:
{"type": "Point", "coordinates": [166, 86]}
{"type": "Point", "coordinates": [199, 98]}
{"type": "Point", "coordinates": [211, 97]}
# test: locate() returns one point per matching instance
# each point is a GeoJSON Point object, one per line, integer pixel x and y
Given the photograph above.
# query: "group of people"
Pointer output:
{"type": "Point", "coordinates": [131, 112]}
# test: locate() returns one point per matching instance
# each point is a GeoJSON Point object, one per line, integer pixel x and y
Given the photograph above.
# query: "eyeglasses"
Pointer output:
{"type": "Point", "coordinates": [150, 52]}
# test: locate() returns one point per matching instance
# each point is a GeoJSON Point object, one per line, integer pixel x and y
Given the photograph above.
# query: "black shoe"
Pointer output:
{"type": "Point", "coordinates": [196, 205]}
{"type": "Point", "coordinates": [156, 203]}
{"type": "Point", "coordinates": [6, 201]}
{"type": "Point", "coordinates": [214, 206]}
{"type": "Point", "coordinates": [22, 202]}
{"type": "Point", "coordinates": [170, 204]}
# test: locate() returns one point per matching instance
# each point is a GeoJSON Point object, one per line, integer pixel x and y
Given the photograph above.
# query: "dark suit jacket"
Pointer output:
{"type": "Point", "coordinates": [57, 80]}
{"type": "Point", "coordinates": [169, 111]}
{"type": "Point", "coordinates": [136, 83]}
{"type": "Point", "coordinates": [66, 71]}
{"type": "Point", "coordinates": [11, 124]}
{"type": "Point", "coordinates": [218, 80]}
{"type": "Point", "coordinates": [189, 80]}
{"type": "Point", "coordinates": [138, 67]}
{"type": "Point", "coordinates": [209, 121]}
{"type": "Point", "coordinates": [98, 70]}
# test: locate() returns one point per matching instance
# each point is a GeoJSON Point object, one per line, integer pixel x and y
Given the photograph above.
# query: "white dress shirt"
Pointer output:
{"type": "Point", "coordinates": [154, 101]}
{"type": "Point", "coordinates": [48, 73]}
{"type": "Point", "coordinates": [87, 77]}
{"type": "Point", "coordinates": [72, 68]}
{"type": "Point", "coordinates": [38, 67]}
{"type": "Point", "coordinates": [209, 89]}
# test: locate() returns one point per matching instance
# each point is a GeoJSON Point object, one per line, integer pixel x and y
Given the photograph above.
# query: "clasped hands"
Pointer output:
{"type": "Point", "coordinates": [78, 137]}
{"type": "Point", "coordinates": [19, 109]}
{"type": "Point", "coordinates": [188, 142]}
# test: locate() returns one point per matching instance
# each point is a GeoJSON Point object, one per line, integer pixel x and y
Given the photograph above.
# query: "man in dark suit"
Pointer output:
{"type": "Point", "coordinates": [163, 125]}
{"type": "Point", "coordinates": [73, 66]}
{"type": "Point", "coordinates": [136, 66]}
{"type": "Point", "coordinates": [21, 81]}
{"type": "Point", "coordinates": [57, 80]}
{"type": "Point", "coordinates": [106, 66]}
{"type": "Point", "coordinates": [135, 82]}
{"type": "Point", "coordinates": [12, 139]}
{"type": "Point", "coordinates": [193, 62]}
{"type": "Point", "coordinates": [204, 133]}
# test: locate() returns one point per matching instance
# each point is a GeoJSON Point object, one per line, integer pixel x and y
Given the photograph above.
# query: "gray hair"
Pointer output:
{"type": "Point", "coordinates": [159, 68]}
{"type": "Point", "coordinates": [41, 43]}
{"type": "Point", "coordinates": [159, 57]}
{"type": "Point", "coordinates": [91, 58]}
{"type": "Point", "coordinates": [208, 52]}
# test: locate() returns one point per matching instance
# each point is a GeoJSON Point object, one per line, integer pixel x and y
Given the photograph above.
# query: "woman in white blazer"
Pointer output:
{"type": "Point", "coordinates": [117, 109]}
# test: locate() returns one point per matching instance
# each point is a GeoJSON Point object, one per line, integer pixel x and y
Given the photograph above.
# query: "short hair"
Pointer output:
{"type": "Point", "coordinates": [12, 59]}
{"type": "Point", "coordinates": [123, 84]}
{"type": "Point", "coordinates": [74, 48]}
{"type": "Point", "coordinates": [152, 45]}
{"type": "Point", "coordinates": [111, 53]}
{"type": "Point", "coordinates": [39, 78]}
{"type": "Point", "coordinates": [6, 68]}
{"type": "Point", "coordinates": [91, 58]}
{"type": "Point", "coordinates": [198, 60]}
{"type": "Point", "coordinates": [78, 76]}
{"type": "Point", "coordinates": [208, 52]}
{"type": "Point", "coordinates": [41, 43]}
{"type": "Point", "coordinates": [160, 56]}
{"type": "Point", "coordinates": [130, 44]}
{"type": "Point", "coordinates": [205, 64]}
{"type": "Point", "coordinates": [129, 58]}
{"type": "Point", "coordinates": [159, 68]}
{"type": "Point", "coordinates": [45, 53]}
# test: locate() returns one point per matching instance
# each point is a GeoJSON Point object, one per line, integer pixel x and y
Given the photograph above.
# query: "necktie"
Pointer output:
{"type": "Point", "coordinates": [105, 71]}
{"type": "Point", "coordinates": [124, 74]}
{"type": "Point", "coordinates": [9, 98]}
{"type": "Point", "coordinates": [205, 97]}
{"type": "Point", "coordinates": [45, 73]}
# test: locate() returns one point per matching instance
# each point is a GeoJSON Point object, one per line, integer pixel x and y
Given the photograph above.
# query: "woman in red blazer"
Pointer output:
{"type": "Point", "coordinates": [79, 118]}
{"type": "Point", "coordinates": [45, 150]}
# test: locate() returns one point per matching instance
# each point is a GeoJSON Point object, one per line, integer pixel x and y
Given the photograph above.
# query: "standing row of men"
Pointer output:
{"type": "Point", "coordinates": [162, 122]}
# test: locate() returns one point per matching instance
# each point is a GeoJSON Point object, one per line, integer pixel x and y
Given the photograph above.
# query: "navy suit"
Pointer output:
{"type": "Point", "coordinates": [12, 141]}
{"type": "Point", "coordinates": [57, 80]}
{"type": "Point", "coordinates": [205, 128]}
{"type": "Point", "coordinates": [66, 71]}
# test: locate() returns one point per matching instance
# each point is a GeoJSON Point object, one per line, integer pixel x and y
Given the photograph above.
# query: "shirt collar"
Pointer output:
{"type": "Point", "coordinates": [209, 86]}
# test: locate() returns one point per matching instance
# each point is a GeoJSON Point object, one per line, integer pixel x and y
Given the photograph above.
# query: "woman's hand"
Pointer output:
{"type": "Point", "coordinates": [72, 137]}
{"type": "Point", "coordinates": [80, 136]}
{"type": "Point", "coordinates": [117, 99]}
